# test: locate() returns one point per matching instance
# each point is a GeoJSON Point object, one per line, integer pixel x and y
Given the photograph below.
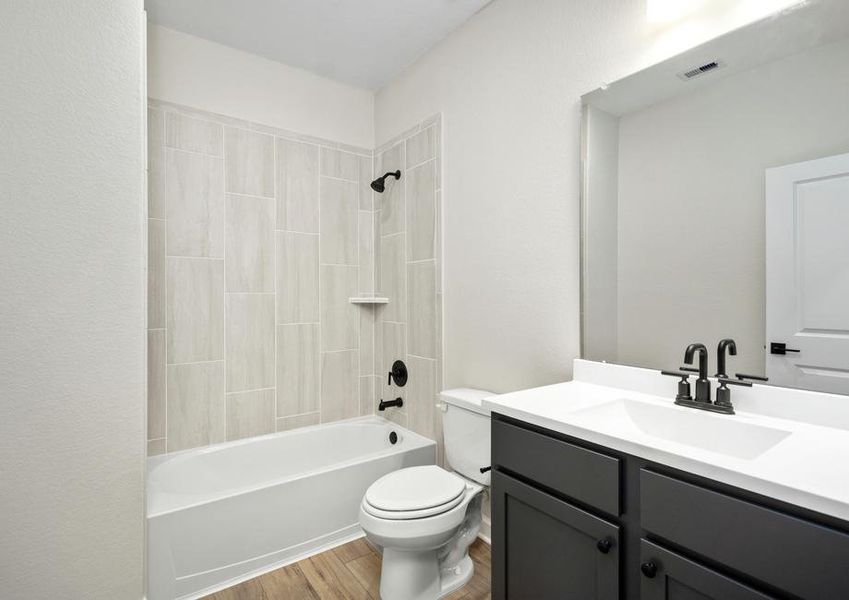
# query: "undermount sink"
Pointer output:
{"type": "Point", "coordinates": [721, 434]}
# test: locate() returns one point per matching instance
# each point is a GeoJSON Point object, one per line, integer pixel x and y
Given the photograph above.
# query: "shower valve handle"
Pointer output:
{"type": "Point", "coordinates": [398, 373]}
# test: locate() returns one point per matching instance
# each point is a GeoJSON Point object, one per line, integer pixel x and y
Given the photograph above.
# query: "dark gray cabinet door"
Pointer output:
{"type": "Point", "coordinates": [669, 576]}
{"type": "Point", "coordinates": [543, 547]}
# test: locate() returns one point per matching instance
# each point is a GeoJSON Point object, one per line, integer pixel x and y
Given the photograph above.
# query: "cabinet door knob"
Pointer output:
{"type": "Point", "coordinates": [604, 545]}
{"type": "Point", "coordinates": [649, 569]}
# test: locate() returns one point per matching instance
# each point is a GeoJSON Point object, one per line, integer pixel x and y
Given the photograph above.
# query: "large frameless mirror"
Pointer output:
{"type": "Point", "coordinates": [716, 204]}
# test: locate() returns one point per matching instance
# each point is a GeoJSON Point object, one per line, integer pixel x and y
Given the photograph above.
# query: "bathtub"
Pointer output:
{"type": "Point", "coordinates": [224, 513]}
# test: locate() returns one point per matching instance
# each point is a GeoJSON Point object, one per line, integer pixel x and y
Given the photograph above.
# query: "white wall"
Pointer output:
{"type": "Point", "coordinates": [691, 202]}
{"type": "Point", "coordinates": [508, 83]}
{"type": "Point", "coordinates": [195, 72]}
{"type": "Point", "coordinates": [72, 311]}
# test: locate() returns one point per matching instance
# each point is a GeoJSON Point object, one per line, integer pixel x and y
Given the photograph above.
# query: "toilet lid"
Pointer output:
{"type": "Point", "coordinates": [415, 489]}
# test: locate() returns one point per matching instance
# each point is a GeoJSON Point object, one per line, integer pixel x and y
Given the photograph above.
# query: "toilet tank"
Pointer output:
{"type": "Point", "coordinates": [466, 432]}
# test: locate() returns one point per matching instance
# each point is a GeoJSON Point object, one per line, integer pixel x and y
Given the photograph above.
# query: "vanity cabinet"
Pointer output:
{"type": "Point", "coordinates": [575, 520]}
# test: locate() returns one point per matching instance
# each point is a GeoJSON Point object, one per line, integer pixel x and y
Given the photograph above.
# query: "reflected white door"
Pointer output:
{"type": "Point", "coordinates": [807, 274]}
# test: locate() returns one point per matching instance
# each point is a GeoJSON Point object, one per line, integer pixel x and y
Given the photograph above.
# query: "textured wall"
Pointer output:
{"type": "Point", "coordinates": [72, 308]}
{"type": "Point", "coordinates": [258, 238]}
{"type": "Point", "coordinates": [195, 72]}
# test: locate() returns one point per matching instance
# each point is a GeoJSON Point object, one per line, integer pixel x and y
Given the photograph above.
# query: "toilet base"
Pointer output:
{"type": "Point", "coordinates": [457, 577]}
{"type": "Point", "coordinates": [409, 575]}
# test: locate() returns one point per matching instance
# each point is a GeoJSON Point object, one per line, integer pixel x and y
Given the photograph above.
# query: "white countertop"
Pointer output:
{"type": "Point", "coordinates": [808, 467]}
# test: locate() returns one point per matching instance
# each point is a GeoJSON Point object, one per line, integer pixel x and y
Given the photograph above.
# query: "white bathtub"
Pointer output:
{"type": "Point", "coordinates": [223, 513]}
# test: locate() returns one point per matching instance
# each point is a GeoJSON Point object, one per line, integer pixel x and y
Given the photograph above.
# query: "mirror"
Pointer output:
{"type": "Point", "coordinates": [715, 204]}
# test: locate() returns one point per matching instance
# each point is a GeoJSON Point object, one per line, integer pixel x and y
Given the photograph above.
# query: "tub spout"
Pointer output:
{"type": "Point", "coordinates": [384, 404]}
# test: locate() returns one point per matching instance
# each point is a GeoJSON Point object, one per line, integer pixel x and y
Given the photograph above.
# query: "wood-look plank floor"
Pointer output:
{"type": "Point", "coordinates": [349, 572]}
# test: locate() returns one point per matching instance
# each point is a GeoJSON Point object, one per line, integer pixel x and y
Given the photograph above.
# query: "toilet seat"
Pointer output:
{"type": "Point", "coordinates": [414, 493]}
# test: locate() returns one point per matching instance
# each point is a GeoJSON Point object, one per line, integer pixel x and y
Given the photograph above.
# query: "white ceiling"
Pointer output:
{"type": "Point", "coordinates": [361, 42]}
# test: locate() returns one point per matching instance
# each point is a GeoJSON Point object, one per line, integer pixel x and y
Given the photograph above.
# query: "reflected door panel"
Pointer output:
{"type": "Point", "coordinates": [807, 274]}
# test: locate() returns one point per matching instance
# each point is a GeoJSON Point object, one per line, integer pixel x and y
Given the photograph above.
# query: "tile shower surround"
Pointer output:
{"type": "Point", "coordinates": [257, 238]}
{"type": "Point", "coordinates": [409, 257]}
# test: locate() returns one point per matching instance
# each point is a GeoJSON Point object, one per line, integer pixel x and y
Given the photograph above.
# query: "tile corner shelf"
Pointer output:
{"type": "Point", "coordinates": [368, 300]}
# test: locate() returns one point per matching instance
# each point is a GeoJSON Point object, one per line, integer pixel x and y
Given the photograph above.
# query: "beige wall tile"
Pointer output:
{"type": "Point", "coordinates": [297, 186]}
{"type": "Point", "coordinates": [393, 347]}
{"type": "Point", "coordinates": [155, 384]}
{"type": "Point", "coordinates": [297, 277]}
{"type": "Point", "coordinates": [197, 135]}
{"type": "Point", "coordinates": [339, 318]}
{"type": "Point", "coordinates": [421, 212]}
{"type": "Point", "coordinates": [366, 250]}
{"type": "Point", "coordinates": [421, 147]}
{"type": "Point", "coordinates": [195, 310]}
{"type": "Point", "coordinates": [377, 242]}
{"type": "Point", "coordinates": [396, 416]}
{"type": "Point", "coordinates": [249, 244]}
{"type": "Point", "coordinates": [194, 204]}
{"type": "Point", "coordinates": [340, 390]}
{"type": "Point", "coordinates": [155, 447]}
{"type": "Point", "coordinates": [439, 353]}
{"type": "Point", "coordinates": [155, 164]}
{"type": "Point", "coordinates": [338, 222]}
{"type": "Point", "coordinates": [367, 405]}
{"type": "Point", "coordinates": [249, 162]}
{"type": "Point", "coordinates": [366, 342]}
{"type": "Point", "coordinates": [421, 318]}
{"type": "Point", "coordinates": [196, 413]}
{"type": "Point", "coordinates": [296, 422]}
{"type": "Point", "coordinates": [298, 369]}
{"type": "Point", "coordinates": [393, 277]}
{"type": "Point", "coordinates": [339, 164]}
{"type": "Point", "coordinates": [250, 414]}
{"type": "Point", "coordinates": [366, 168]}
{"type": "Point", "coordinates": [250, 341]}
{"type": "Point", "coordinates": [156, 274]}
{"type": "Point", "coordinates": [421, 396]}
{"type": "Point", "coordinates": [438, 242]}
{"type": "Point", "coordinates": [391, 202]}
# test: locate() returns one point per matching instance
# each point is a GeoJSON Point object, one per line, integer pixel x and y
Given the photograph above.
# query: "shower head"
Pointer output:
{"type": "Point", "coordinates": [379, 184]}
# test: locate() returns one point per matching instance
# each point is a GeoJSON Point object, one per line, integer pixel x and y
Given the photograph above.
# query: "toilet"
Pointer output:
{"type": "Point", "coordinates": [424, 518]}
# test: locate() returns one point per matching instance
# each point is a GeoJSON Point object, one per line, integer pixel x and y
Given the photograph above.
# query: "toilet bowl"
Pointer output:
{"type": "Point", "coordinates": [425, 518]}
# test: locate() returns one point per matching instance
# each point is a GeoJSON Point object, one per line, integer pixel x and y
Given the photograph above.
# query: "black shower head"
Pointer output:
{"type": "Point", "coordinates": [379, 184]}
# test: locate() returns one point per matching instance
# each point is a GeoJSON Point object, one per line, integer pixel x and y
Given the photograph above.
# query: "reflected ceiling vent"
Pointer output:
{"type": "Point", "coordinates": [701, 70]}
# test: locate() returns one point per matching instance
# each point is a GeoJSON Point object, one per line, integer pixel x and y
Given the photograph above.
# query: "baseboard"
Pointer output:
{"type": "Point", "coordinates": [485, 532]}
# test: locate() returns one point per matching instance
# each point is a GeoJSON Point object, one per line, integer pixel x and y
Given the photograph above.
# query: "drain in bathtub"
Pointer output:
{"type": "Point", "coordinates": [393, 438]}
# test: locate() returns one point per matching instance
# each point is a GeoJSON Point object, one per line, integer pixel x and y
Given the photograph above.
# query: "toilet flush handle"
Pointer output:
{"type": "Point", "coordinates": [485, 469]}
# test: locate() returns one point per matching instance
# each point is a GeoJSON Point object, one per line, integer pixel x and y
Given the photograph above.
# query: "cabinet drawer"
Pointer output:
{"type": "Point", "coordinates": [791, 554]}
{"type": "Point", "coordinates": [581, 474]}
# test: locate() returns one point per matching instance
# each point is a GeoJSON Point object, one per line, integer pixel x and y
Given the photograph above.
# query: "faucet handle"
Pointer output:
{"type": "Point", "coordinates": [683, 385]}
{"type": "Point", "coordinates": [742, 376]}
{"type": "Point", "coordinates": [725, 381]}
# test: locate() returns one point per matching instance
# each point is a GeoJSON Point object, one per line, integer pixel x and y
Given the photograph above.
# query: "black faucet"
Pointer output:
{"type": "Point", "coordinates": [702, 383]}
{"type": "Point", "coordinates": [384, 404]}
{"type": "Point", "coordinates": [729, 345]}
{"type": "Point", "coordinates": [702, 400]}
